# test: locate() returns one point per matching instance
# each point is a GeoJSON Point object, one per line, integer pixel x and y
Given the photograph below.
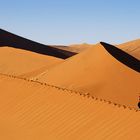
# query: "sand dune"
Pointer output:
{"type": "Point", "coordinates": [22, 62]}
{"type": "Point", "coordinates": [92, 95]}
{"type": "Point", "coordinates": [132, 47]}
{"type": "Point", "coordinates": [98, 72]}
{"type": "Point", "coordinates": [34, 111]}
{"type": "Point", "coordinates": [80, 47]}
{"type": "Point", "coordinates": [15, 41]}
{"type": "Point", "coordinates": [77, 48]}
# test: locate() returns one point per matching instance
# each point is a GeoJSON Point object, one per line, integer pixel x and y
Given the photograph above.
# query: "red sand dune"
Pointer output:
{"type": "Point", "coordinates": [98, 72]}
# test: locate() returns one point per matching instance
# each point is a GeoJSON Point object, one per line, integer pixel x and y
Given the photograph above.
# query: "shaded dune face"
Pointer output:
{"type": "Point", "coordinates": [12, 40]}
{"type": "Point", "coordinates": [132, 47]}
{"type": "Point", "coordinates": [100, 72]}
{"type": "Point", "coordinates": [123, 57]}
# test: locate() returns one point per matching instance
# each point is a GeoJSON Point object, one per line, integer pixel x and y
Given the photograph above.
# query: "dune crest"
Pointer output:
{"type": "Point", "coordinates": [15, 41]}
{"type": "Point", "coordinates": [132, 47]}
{"type": "Point", "coordinates": [123, 57]}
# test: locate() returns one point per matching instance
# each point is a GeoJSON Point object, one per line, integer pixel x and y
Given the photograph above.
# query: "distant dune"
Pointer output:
{"type": "Point", "coordinates": [77, 48]}
{"type": "Point", "coordinates": [80, 47]}
{"type": "Point", "coordinates": [98, 72]}
{"type": "Point", "coordinates": [132, 47]}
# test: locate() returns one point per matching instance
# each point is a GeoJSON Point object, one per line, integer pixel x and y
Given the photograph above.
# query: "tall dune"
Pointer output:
{"type": "Point", "coordinates": [132, 47]}
{"type": "Point", "coordinates": [19, 62]}
{"type": "Point", "coordinates": [15, 41]}
{"type": "Point", "coordinates": [98, 72]}
{"type": "Point", "coordinates": [35, 111]}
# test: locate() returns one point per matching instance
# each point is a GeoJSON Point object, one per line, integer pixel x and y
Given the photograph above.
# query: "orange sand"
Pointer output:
{"type": "Point", "coordinates": [89, 96]}
{"type": "Point", "coordinates": [132, 47]}
{"type": "Point", "coordinates": [18, 62]}
{"type": "Point", "coordinates": [76, 47]}
{"type": "Point", "coordinates": [98, 72]}
{"type": "Point", "coordinates": [79, 47]}
{"type": "Point", "coordinates": [32, 111]}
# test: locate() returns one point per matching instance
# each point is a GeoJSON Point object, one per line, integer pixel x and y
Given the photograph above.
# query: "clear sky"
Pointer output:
{"type": "Point", "coordinates": [72, 21]}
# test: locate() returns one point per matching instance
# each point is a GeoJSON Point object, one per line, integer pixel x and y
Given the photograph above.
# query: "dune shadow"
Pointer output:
{"type": "Point", "coordinates": [15, 41]}
{"type": "Point", "coordinates": [122, 56]}
{"type": "Point", "coordinates": [139, 104]}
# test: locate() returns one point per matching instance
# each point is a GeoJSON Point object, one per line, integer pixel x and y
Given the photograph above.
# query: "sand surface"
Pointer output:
{"type": "Point", "coordinates": [16, 41]}
{"type": "Point", "coordinates": [80, 47]}
{"type": "Point", "coordinates": [99, 73]}
{"type": "Point", "coordinates": [92, 95]}
{"type": "Point", "coordinates": [21, 62]}
{"type": "Point", "coordinates": [77, 48]}
{"type": "Point", "coordinates": [34, 111]}
{"type": "Point", "coordinates": [132, 47]}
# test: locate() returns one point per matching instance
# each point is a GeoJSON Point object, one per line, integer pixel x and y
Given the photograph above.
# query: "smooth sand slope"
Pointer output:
{"type": "Point", "coordinates": [98, 72]}
{"type": "Point", "coordinates": [21, 62]}
{"type": "Point", "coordinates": [132, 47]}
{"type": "Point", "coordinates": [33, 111]}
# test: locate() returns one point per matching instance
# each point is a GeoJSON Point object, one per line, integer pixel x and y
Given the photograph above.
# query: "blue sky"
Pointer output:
{"type": "Point", "coordinates": [72, 21]}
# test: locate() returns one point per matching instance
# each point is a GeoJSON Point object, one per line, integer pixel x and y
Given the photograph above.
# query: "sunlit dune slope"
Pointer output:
{"type": "Point", "coordinates": [98, 72]}
{"type": "Point", "coordinates": [20, 62]}
{"type": "Point", "coordinates": [35, 111]}
{"type": "Point", "coordinates": [132, 47]}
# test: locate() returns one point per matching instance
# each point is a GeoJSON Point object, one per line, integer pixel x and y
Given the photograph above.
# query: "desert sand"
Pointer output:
{"type": "Point", "coordinates": [16, 41]}
{"type": "Point", "coordinates": [96, 71]}
{"type": "Point", "coordinates": [132, 47]}
{"type": "Point", "coordinates": [34, 111]}
{"type": "Point", "coordinates": [87, 92]}
{"type": "Point", "coordinates": [21, 62]}
{"type": "Point", "coordinates": [77, 48]}
{"type": "Point", "coordinates": [80, 47]}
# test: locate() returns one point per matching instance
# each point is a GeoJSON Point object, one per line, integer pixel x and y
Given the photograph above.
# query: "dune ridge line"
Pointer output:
{"type": "Point", "coordinates": [122, 56]}
{"type": "Point", "coordinates": [10, 39]}
{"type": "Point", "coordinates": [85, 94]}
